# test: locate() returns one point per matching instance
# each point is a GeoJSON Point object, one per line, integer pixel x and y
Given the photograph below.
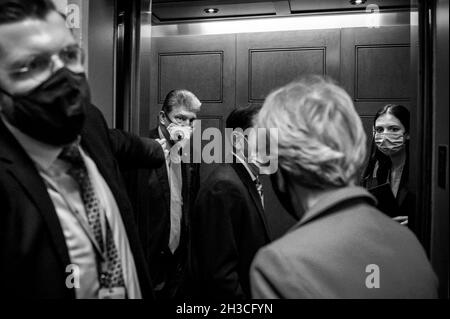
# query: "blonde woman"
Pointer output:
{"type": "Point", "coordinates": [342, 246]}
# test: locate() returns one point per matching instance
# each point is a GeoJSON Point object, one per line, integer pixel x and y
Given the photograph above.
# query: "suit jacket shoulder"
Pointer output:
{"type": "Point", "coordinates": [223, 177]}
{"type": "Point", "coordinates": [329, 258]}
{"type": "Point", "coordinates": [30, 230]}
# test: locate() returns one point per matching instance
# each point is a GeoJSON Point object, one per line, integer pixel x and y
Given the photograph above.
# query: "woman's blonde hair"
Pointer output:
{"type": "Point", "coordinates": [321, 140]}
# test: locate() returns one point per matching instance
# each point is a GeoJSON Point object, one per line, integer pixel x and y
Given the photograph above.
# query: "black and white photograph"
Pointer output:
{"type": "Point", "coordinates": [224, 158]}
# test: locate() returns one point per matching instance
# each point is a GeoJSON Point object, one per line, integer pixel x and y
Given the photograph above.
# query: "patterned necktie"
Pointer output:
{"type": "Point", "coordinates": [259, 188]}
{"type": "Point", "coordinates": [111, 275]}
{"type": "Point", "coordinates": [176, 205]}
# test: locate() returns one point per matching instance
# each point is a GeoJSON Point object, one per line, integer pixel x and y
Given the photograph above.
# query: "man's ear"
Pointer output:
{"type": "Point", "coordinates": [162, 118]}
{"type": "Point", "coordinates": [407, 137]}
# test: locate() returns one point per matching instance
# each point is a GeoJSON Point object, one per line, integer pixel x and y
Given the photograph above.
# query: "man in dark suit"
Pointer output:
{"type": "Point", "coordinates": [229, 224]}
{"type": "Point", "coordinates": [165, 195]}
{"type": "Point", "coordinates": [66, 225]}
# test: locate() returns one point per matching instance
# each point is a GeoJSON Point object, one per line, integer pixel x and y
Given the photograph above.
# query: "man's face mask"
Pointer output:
{"type": "Point", "coordinates": [176, 133]}
{"type": "Point", "coordinates": [390, 143]}
{"type": "Point", "coordinates": [179, 132]}
{"type": "Point", "coordinates": [53, 112]}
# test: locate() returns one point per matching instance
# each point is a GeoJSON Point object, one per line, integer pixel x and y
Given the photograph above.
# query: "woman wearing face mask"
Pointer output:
{"type": "Point", "coordinates": [388, 162]}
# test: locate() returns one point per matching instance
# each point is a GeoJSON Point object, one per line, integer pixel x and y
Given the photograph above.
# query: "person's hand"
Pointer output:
{"type": "Point", "coordinates": [403, 220]}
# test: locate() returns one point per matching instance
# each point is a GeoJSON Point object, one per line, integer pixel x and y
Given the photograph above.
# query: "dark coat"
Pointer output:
{"type": "Point", "coordinates": [150, 194]}
{"type": "Point", "coordinates": [33, 251]}
{"type": "Point", "coordinates": [229, 226]}
{"type": "Point", "coordinates": [405, 199]}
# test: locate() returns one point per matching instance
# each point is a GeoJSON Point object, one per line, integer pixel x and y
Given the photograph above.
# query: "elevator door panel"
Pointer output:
{"type": "Point", "coordinates": [268, 60]}
{"type": "Point", "coordinates": [375, 69]}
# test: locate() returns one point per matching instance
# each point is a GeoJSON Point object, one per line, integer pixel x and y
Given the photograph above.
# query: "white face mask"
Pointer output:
{"type": "Point", "coordinates": [390, 143]}
{"type": "Point", "coordinates": [178, 132]}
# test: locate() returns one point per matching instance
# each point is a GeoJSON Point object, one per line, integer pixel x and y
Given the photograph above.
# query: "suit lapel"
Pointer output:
{"type": "Point", "coordinates": [162, 173]}
{"type": "Point", "coordinates": [109, 170]}
{"type": "Point", "coordinates": [401, 195]}
{"type": "Point", "coordinates": [163, 177]}
{"type": "Point", "coordinates": [94, 151]}
{"type": "Point", "coordinates": [246, 179]}
{"type": "Point", "coordinates": [24, 171]}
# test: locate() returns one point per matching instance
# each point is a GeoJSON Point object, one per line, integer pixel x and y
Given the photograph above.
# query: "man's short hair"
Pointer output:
{"type": "Point", "coordinates": [242, 117]}
{"type": "Point", "coordinates": [18, 10]}
{"type": "Point", "coordinates": [321, 140]}
{"type": "Point", "coordinates": [181, 97]}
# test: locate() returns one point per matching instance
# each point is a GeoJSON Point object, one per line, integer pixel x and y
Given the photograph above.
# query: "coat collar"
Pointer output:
{"type": "Point", "coordinates": [161, 172]}
{"type": "Point", "coordinates": [42, 154]}
{"type": "Point", "coordinates": [154, 133]}
{"type": "Point", "coordinates": [23, 169]}
{"type": "Point", "coordinates": [332, 199]}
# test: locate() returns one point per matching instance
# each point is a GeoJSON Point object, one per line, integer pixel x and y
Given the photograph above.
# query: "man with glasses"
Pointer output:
{"type": "Point", "coordinates": [165, 196]}
{"type": "Point", "coordinates": [66, 224]}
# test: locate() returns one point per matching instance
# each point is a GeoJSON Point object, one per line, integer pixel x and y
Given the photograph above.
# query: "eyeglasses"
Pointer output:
{"type": "Point", "coordinates": [42, 66]}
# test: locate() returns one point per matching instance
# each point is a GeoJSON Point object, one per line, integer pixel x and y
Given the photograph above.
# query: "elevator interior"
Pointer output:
{"type": "Point", "coordinates": [379, 51]}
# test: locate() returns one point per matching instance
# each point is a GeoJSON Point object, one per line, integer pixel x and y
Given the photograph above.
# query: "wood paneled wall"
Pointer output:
{"type": "Point", "coordinates": [230, 71]}
{"type": "Point", "coordinates": [266, 61]}
{"type": "Point", "coordinates": [375, 69]}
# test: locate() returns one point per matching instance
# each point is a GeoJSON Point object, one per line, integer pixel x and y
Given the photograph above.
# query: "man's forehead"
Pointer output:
{"type": "Point", "coordinates": [33, 35]}
{"type": "Point", "coordinates": [183, 110]}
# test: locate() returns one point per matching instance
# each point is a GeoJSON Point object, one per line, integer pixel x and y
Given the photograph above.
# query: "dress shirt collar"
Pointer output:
{"type": "Point", "coordinates": [243, 162]}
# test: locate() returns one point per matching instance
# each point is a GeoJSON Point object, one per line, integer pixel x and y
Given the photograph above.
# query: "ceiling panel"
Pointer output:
{"type": "Point", "coordinates": [175, 11]}
{"type": "Point", "coordinates": [299, 6]}
{"type": "Point", "coordinates": [194, 11]}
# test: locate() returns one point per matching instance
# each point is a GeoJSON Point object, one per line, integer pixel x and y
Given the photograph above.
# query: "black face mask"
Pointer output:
{"type": "Point", "coordinates": [53, 112]}
{"type": "Point", "coordinates": [283, 196]}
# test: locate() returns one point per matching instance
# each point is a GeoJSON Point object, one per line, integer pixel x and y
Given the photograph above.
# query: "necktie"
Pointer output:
{"type": "Point", "coordinates": [111, 274]}
{"type": "Point", "coordinates": [259, 188]}
{"type": "Point", "coordinates": [176, 205]}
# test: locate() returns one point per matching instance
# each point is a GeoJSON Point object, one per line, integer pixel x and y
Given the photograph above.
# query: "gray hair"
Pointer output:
{"type": "Point", "coordinates": [181, 97]}
{"type": "Point", "coordinates": [321, 140]}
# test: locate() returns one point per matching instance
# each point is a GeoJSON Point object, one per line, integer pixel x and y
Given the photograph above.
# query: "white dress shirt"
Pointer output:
{"type": "Point", "coordinates": [175, 179]}
{"type": "Point", "coordinates": [65, 195]}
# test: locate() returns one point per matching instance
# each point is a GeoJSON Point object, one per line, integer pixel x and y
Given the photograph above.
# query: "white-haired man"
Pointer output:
{"type": "Point", "coordinates": [164, 197]}
{"type": "Point", "coordinates": [342, 246]}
